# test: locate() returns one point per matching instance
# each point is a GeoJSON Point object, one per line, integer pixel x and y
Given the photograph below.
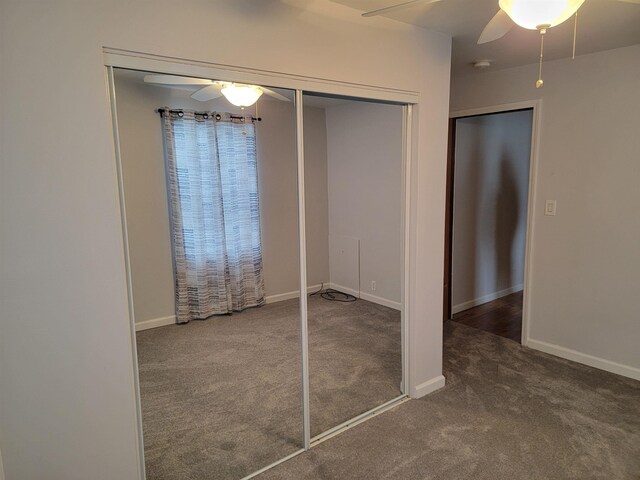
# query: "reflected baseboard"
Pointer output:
{"type": "Point", "coordinates": [155, 322]}
{"type": "Point", "coordinates": [366, 296]}
{"type": "Point", "coordinates": [280, 297]}
{"type": "Point", "coordinates": [171, 319]}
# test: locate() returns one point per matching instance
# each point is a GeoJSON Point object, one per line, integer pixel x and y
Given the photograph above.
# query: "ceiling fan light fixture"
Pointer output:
{"type": "Point", "coordinates": [241, 95]}
{"type": "Point", "coordinates": [532, 14]}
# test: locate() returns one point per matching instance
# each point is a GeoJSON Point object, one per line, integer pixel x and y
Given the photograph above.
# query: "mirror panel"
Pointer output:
{"type": "Point", "coordinates": [211, 199]}
{"type": "Point", "coordinates": [221, 394]}
{"type": "Point", "coordinates": [353, 195]}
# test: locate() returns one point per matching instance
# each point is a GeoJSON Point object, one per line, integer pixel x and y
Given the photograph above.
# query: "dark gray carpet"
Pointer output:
{"type": "Point", "coordinates": [355, 360]}
{"type": "Point", "coordinates": [507, 412]}
{"type": "Point", "coordinates": [221, 397]}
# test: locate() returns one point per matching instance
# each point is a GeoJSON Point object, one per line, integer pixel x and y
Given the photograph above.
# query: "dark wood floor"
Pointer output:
{"type": "Point", "coordinates": [501, 317]}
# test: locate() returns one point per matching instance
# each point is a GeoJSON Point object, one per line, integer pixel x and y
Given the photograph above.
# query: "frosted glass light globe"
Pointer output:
{"type": "Point", "coordinates": [532, 14]}
{"type": "Point", "coordinates": [241, 95]}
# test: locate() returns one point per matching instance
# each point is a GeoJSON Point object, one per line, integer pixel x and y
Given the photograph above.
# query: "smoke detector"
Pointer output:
{"type": "Point", "coordinates": [482, 64]}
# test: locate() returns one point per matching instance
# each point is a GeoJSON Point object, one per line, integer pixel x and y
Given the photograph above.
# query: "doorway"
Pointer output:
{"type": "Point", "coordinates": [489, 200]}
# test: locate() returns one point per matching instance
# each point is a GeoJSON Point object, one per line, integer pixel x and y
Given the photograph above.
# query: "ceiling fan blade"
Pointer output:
{"type": "Point", "coordinates": [393, 8]}
{"type": "Point", "coordinates": [497, 28]}
{"type": "Point", "coordinates": [631, 1]}
{"type": "Point", "coordinates": [207, 93]}
{"type": "Point", "coordinates": [176, 80]}
{"type": "Point", "coordinates": [275, 95]}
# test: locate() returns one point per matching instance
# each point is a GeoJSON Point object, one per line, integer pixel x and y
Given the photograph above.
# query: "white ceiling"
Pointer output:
{"type": "Point", "coordinates": [602, 25]}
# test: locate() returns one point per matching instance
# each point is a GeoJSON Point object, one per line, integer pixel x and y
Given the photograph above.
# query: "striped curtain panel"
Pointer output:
{"type": "Point", "coordinates": [215, 215]}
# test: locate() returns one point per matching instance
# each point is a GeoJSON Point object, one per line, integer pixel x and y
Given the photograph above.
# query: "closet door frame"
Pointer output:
{"type": "Point", "coordinates": [116, 58]}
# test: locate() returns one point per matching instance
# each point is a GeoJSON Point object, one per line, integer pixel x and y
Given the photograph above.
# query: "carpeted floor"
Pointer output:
{"type": "Point", "coordinates": [507, 412]}
{"type": "Point", "coordinates": [355, 360]}
{"type": "Point", "coordinates": [221, 398]}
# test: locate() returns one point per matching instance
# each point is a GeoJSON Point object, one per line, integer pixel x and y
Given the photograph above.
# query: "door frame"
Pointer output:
{"type": "Point", "coordinates": [536, 107]}
{"type": "Point", "coordinates": [116, 58]}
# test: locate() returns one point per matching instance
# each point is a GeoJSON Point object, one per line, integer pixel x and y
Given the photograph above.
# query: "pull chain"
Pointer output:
{"type": "Point", "coordinates": [244, 123]}
{"type": "Point", "coordinates": [543, 31]}
{"type": "Point", "coordinates": [575, 34]}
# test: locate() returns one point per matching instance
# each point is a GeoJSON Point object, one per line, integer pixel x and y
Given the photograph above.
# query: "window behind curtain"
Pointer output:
{"type": "Point", "coordinates": [215, 213]}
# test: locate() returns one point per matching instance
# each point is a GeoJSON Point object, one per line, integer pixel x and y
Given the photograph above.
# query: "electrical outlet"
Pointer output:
{"type": "Point", "coordinates": [550, 208]}
{"type": "Point", "coordinates": [373, 285]}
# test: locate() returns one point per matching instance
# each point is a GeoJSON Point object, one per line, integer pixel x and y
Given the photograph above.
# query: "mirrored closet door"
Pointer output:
{"type": "Point", "coordinates": [353, 164]}
{"type": "Point", "coordinates": [264, 248]}
{"type": "Point", "coordinates": [209, 180]}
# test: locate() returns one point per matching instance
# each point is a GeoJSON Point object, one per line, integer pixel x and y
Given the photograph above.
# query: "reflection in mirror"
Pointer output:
{"type": "Point", "coordinates": [353, 196]}
{"type": "Point", "coordinates": [211, 210]}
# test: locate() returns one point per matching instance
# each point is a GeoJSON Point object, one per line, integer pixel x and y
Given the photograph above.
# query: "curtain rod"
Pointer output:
{"type": "Point", "coordinates": [236, 117]}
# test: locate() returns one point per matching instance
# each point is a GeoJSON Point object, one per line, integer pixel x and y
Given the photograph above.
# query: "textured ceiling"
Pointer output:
{"type": "Point", "coordinates": [602, 25]}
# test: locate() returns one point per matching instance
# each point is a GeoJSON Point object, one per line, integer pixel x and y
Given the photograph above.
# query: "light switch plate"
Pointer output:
{"type": "Point", "coordinates": [550, 208]}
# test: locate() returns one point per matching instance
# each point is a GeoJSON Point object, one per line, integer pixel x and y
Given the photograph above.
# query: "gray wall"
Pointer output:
{"type": "Point", "coordinates": [364, 149]}
{"type": "Point", "coordinates": [586, 260]}
{"type": "Point", "coordinates": [491, 184]}
{"type": "Point", "coordinates": [67, 403]}
{"type": "Point", "coordinates": [316, 196]}
{"type": "Point", "coordinates": [146, 194]}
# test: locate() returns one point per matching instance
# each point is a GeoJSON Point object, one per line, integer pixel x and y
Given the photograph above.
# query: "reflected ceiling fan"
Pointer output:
{"type": "Point", "coordinates": [530, 14]}
{"type": "Point", "coordinates": [239, 94]}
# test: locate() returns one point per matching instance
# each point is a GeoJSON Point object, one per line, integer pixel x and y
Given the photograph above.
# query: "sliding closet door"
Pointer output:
{"type": "Point", "coordinates": [211, 204]}
{"type": "Point", "coordinates": [353, 194]}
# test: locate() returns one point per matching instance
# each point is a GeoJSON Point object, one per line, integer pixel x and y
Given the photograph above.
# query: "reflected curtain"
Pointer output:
{"type": "Point", "coordinates": [211, 163]}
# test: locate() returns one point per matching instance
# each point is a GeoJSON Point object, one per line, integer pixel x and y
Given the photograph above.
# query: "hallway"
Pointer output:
{"type": "Point", "coordinates": [502, 317]}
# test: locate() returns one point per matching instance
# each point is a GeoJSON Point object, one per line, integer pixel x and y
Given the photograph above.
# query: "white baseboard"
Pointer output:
{"type": "Point", "coordinates": [461, 307]}
{"type": "Point", "coordinates": [366, 296]}
{"type": "Point", "coordinates": [380, 301]}
{"type": "Point", "coordinates": [170, 320]}
{"type": "Point", "coordinates": [427, 387]}
{"type": "Point", "coordinates": [280, 297]}
{"type": "Point", "coordinates": [344, 289]}
{"type": "Point", "coordinates": [155, 322]}
{"type": "Point", "coordinates": [585, 359]}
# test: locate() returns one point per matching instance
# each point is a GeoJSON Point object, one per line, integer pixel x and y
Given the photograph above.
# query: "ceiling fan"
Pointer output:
{"type": "Point", "coordinates": [530, 14]}
{"type": "Point", "coordinates": [239, 94]}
